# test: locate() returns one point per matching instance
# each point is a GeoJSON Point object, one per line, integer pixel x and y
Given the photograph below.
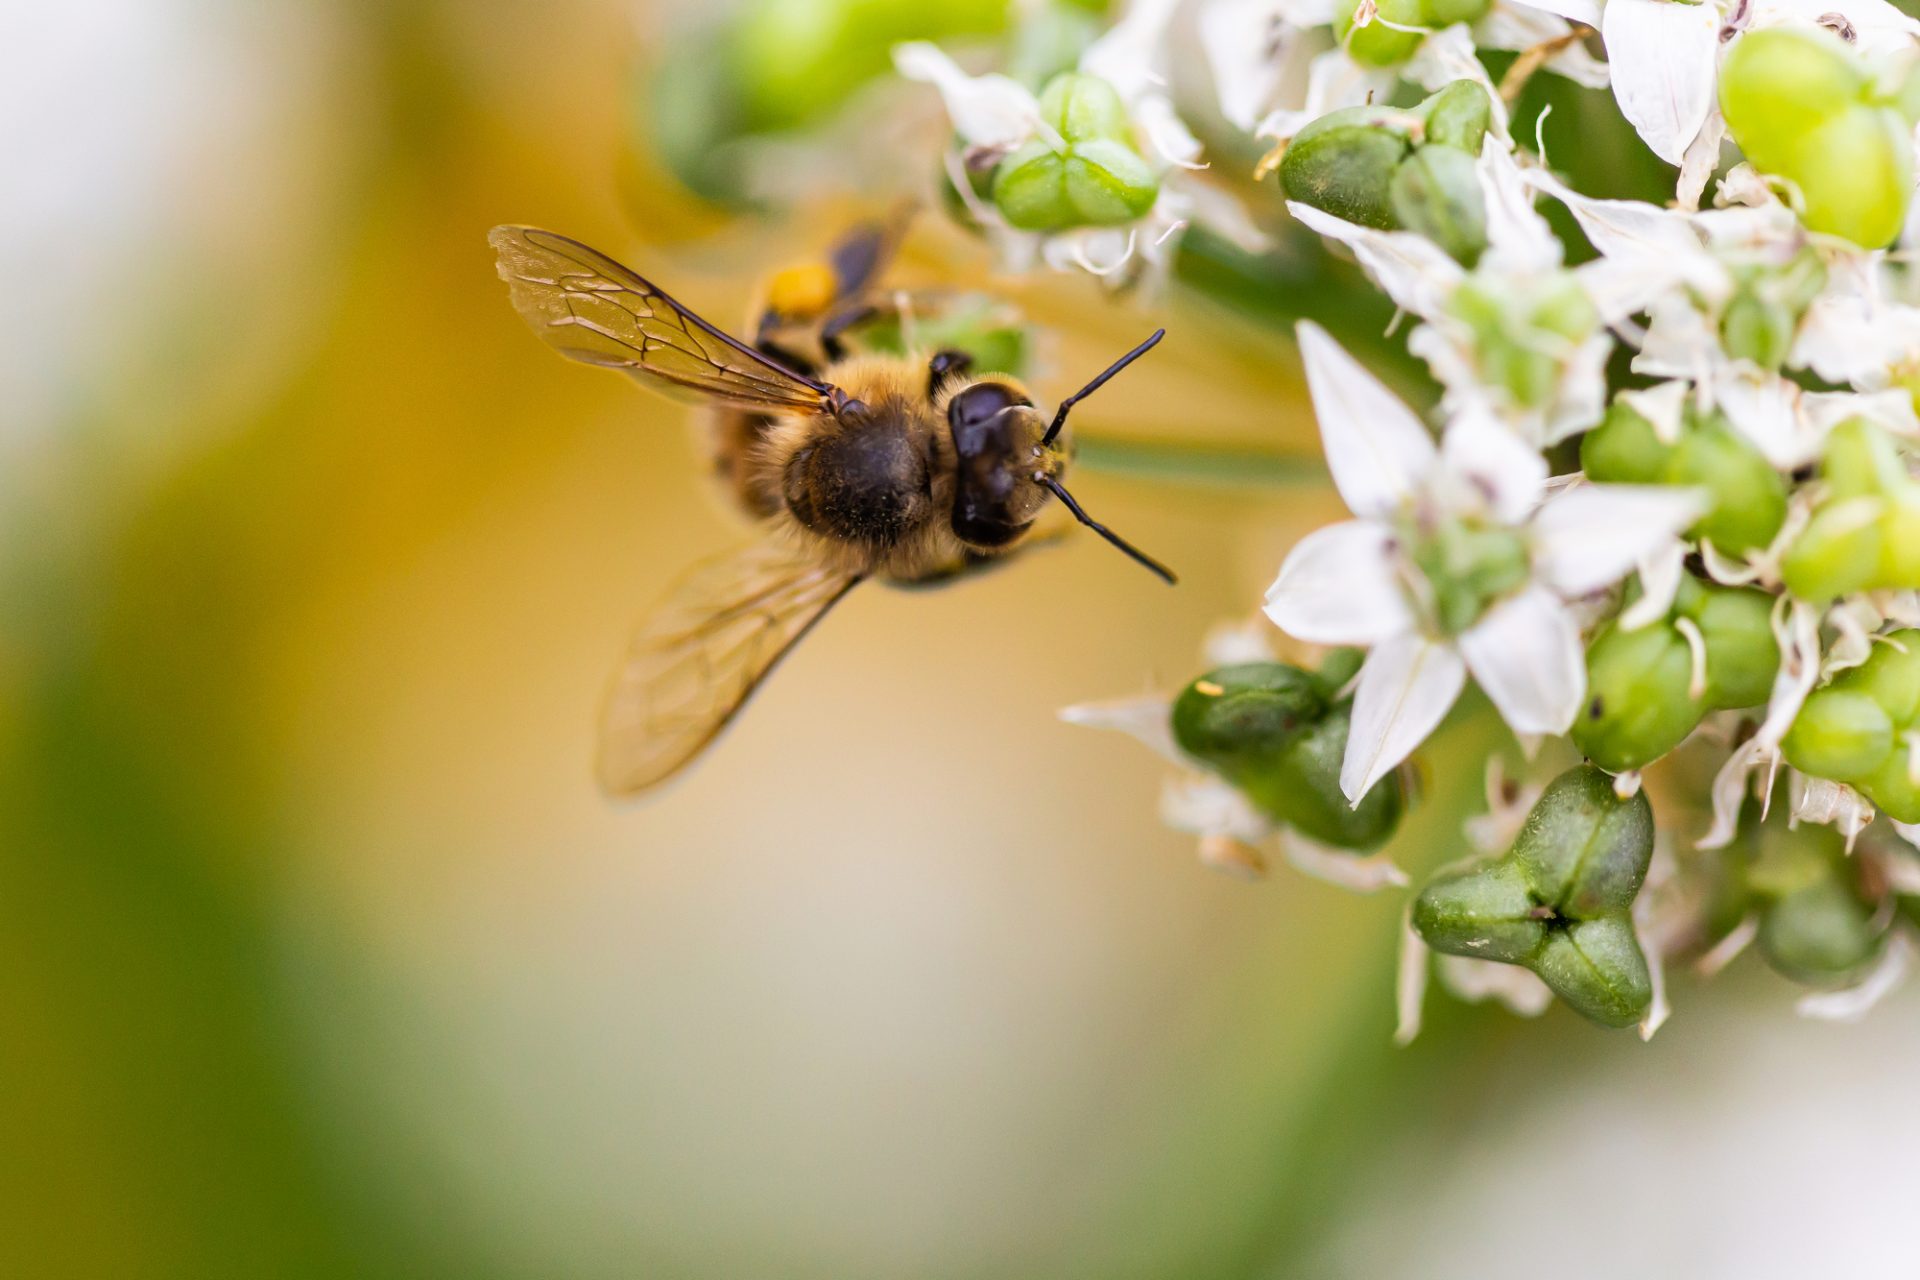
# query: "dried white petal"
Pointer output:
{"type": "Point", "coordinates": [988, 111]}
{"type": "Point", "coordinates": [1360, 873]}
{"type": "Point", "coordinates": [1855, 1002]}
{"type": "Point", "coordinates": [1148, 719]}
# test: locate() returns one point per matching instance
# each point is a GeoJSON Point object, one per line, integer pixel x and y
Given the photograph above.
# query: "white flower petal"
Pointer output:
{"type": "Point", "coordinates": [1518, 238]}
{"type": "Point", "coordinates": [1410, 982]}
{"type": "Point", "coordinates": [1405, 689]}
{"type": "Point", "coordinates": [1376, 447]}
{"type": "Point", "coordinates": [1128, 55]}
{"type": "Point", "coordinates": [1765, 408]}
{"type": "Point", "coordinates": [1659, 583]}
{"type": "Point", "coordinates": [1334, 80]}
{"type": "Point", "coordinates": [1664, 406]}
{"type": "Point", "coordinates": [1662, 55]}
{"type": "Point", "coordinates": [1349, 870]}
{"type": "Point", "coordinates": [1338, 587]}
{"type": "Point", "coordinates": [1526, 654]}
{"type": "Point", "coordinates": [1167, 135]}
{"type": "Point", "coordinates": [1147, 719]}
{"type": "Point", "coordinates": [1477, 981]}
{"type": "Point", "coordinates": [1588, 537]}
{"type": "Point", "coordinates": [1448, 55]}
{"type": "Point", "coordinates": [1244, 41]}
{"type": "Point", "coordinates": [1500, 469]}
{"type": "Point", "coordinates": [1586, 12]}
{"type": "Point", "coordinates": [1414, 271]}
{"type": "Point", "coordinates": [988, 111]}
{"type": "Point", "coordinates": [1206, 806]}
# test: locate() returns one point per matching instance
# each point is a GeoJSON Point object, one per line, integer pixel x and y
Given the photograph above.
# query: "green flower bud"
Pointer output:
{"type": "Point", "coordinates": [1866, 535]}
{"type": "Point", "coordinates": [1083, 108]}
{"type": "Point", "coordinates": [1815, 927]}
{"type": "Point", "coordinates": [1457, 115]}
{"type": "Point", "coordinates": [1377, 44]}
{"type": "Point", "coordinates": [1778, 84]}
{"type": "Point", "coordinates": [1100, 180]}
{"type": "Point", "coordinates": [1822, 934]}
{"type": "Point", "coordinates": [1858, 729]}
{"type": "Point", "coordinates": [1855, 174]}
{"type": "Point", "coordinates": [1799, 104]}
{"type": "Point", "coordinates": [1639, 706]}
{"type": "Point", "coordinates": [1839, 734]}
{"type": "Point", "coordinates": [1436, 192]}
{"type": "Point", "coordinates": [1747, 497]}
{"type": "Point", "coordinates": [1521, 338]}
{"type": "Point", "coordinates": [1560, 902]}
{"type": "Point", "coordinates": [1343, 164]}
{"type": "Point", "coordinates": [1736, 629]}
{"type": "Point", "coordinates": [1274, 733]}
{"type": "Point", "coordinates": [1095, 184]}
{"type": "Point", "coordinates": [1641, 702]}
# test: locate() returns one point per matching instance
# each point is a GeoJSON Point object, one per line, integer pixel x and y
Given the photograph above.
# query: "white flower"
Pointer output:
{"type": "Point", "coordinates": [1361, 582]}
{"type": "Point", "coordinates": [994, 115]}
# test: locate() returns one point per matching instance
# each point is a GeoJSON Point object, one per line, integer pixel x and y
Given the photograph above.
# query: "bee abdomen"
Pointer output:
{"type": "Point", "coordinates": [868, 485]}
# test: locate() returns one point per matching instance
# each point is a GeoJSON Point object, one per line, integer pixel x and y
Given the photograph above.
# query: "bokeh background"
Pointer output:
{"type": "Point", "coordinates": [320, 955]}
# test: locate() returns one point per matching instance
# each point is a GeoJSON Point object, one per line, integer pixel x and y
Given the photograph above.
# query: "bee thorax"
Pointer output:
{"type": "Point", "coordinates": [867, 483]}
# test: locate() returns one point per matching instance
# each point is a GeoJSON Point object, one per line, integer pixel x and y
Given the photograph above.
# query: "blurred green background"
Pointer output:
{"type": "Point", "coordinates": [320, 955]}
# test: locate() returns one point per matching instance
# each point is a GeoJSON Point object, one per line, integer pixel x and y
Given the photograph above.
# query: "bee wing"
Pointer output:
{"type": "Point", "coordinates": [702, 653]}
{"type": "Point", "coordinates": [592, 309]}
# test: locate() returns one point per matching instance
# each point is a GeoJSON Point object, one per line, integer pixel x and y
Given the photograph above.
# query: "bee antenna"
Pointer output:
{"type": "Point", "coordinates": [1060, 416]}
{"type": "Point", "coordinates": [1080, 514]}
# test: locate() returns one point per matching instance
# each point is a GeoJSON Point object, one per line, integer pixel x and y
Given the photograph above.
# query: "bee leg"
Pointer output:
{"type": "Point", "coordinates": [945, 364]}
{"type": "Point", "coordinates": [838, 323]}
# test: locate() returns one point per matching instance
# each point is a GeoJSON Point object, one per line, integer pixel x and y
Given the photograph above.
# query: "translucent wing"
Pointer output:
{"type": "Point", "coordinates": [701, 655]}
{"type": "Point", "coordinates": [592, 309]}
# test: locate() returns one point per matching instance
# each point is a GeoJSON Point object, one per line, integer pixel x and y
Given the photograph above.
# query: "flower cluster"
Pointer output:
{"type": "Point", "coordinates": [1646, 488]}
{"type": "Point", "coordinates": [1662, 513]}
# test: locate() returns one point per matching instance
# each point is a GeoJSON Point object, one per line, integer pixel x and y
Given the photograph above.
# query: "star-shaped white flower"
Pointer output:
{"type": "Point", "coordinates": [1361, 582]}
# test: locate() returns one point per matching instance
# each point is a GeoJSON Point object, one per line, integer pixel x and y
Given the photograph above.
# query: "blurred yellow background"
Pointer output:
{"type": "Point", "coordinates": [321, 955]}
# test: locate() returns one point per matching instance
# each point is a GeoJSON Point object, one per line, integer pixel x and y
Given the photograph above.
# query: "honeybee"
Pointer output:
{"type": "Point", "coordinates": [909, 469]}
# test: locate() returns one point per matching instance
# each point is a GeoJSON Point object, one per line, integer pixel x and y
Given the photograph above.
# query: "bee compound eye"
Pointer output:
{"type": "Point", "coordinates": [981, 403]}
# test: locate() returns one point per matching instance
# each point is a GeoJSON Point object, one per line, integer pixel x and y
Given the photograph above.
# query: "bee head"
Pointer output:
{"type": "Point", "coordinates": [1011, 461]}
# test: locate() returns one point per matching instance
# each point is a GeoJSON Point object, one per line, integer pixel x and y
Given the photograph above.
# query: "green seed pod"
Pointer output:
{"type": "Point", "coordinates": [1436, 192]}
{"type": "Point", "coordinates": [1343, 164]}
{"type": "Point", "coordinates": [1855, 174]}
{"type": "Point", "coordinates": [1638, 702]}
{"type": "Point", "coordinates": [1597, 967]}
{"type": "Point", "coordinates": [1436, 14]}
{"type": "Point", "coordinates": [1458, 115]}
{"type": "Point", "coordinates": [1274, 733]}
{"type": "Point", "coordinates": [1838, 552]}
{"type": "Point", "coordinates": [1748, 498]}
{"type": "Point", "coordinates": [1839, 734]}
{"type": "Point", "coordinates": [1097, 183]}
{"type": "Point", "coordinates": [1866, 535]}
{"type": "Point", "coordinates": [1084, 108]}
{"type": "Point", "coordinates": [1756, 328]}
{"type": "Point", "coordinates": [1487, 911]}
{"type": "Point", "coordinates": [1891, 676]}
{"type": "Point", "coordinates": [1377, 44]}
{"type": "Point", "coordinates": [1246, 714]}
{"type": "Point", "coordinates": [1821, 934]}
{"type": "Point", "coordinates": [1305, 791]}
{"type": "Point", "coordinates": [1585, 849]}
{"type": "Point", "coordinates": [1560, 901]}
{"type": "Point", "coordinates": [1624, 449]}
{"type": "Point", "coordinates": [1743, 655]}
{"type": "Point", "coordinates": [1779, 84]}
